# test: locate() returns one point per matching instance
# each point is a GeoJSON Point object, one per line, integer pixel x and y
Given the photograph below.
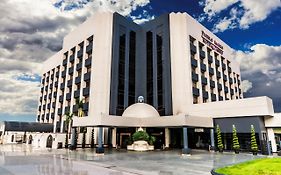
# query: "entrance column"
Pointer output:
{"type": "Point", "coordinates": [114, 137]}
{"type": "Point", "coordinates": [212, 136]}
{"type": "Point", "coordinates": [185, 149]}
{"type": "Point", "coordinates": [100, 149]}
{"type": "Point", "coordinates": [167, 137]}
{"type": "Point", "coordinates": [73, 139]}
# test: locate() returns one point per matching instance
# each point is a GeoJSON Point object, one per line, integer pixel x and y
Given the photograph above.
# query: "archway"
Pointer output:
{"type": "Point", "coordinates": [49, 141]}
{"type": "Point", "coordinates": [30, 139]}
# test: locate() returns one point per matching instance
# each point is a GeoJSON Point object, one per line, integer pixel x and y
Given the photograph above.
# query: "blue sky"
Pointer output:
{"type": "Point", "coordinates": [32, 31]}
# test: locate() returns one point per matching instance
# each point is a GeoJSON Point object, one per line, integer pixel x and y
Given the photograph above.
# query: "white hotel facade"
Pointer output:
{"type": "Point", "coordinates": [186, 74]}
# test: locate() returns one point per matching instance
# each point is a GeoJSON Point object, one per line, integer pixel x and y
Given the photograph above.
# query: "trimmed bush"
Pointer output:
{"type": "Point", "coordinates": [235, 140]}
{"type": "Point", "coordinates": [219, 139]}
{"type": "Point", "coordinates": [142, 135]}
{"type": "Point", "coordinates": [254, 146]}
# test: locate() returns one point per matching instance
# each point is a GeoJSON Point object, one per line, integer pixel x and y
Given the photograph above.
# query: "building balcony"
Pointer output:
{"type": "Point", "coordinates": [74, 108]}
{"type": "Point", "coordinates": [195, 91]}
{"type": "Point", "coordinates": [47, 79]}
{"type": "Point", "coordinates": [49, 106]}
{"type": "Point", "coordinates": [213, 97]}
{"type": "Point", "coordinates": [68, 96]}
{"type": "Point", "coordinates": [88, 62]}
{"type": "Point", "coordinates": [77, 80]}
{"type": "Point", "coordinates": [64, 62]}
{"type": "Point", "coordinates": [44, 107]}
{"type": "Point", "coordinates": [53, 104]}
{"type": "Point", "coordinates": [211, 71]}
{"type": "Point", "coordinates": [61, 98]}
{"type": "Point", "coordinates": [80, 53]}
{"type": "Point", "coordinates": [59, 111]}
{"type": "Point", "coordinates": [89, 47]}
{"type": "Point", "coordinates": [212, 83]}
{"type": "Point", "coordinates": [52, 116]}
{"type": "Point", "coordinates": [66, 109]}
{"type": "Point", "coordinates": [193, 62]}
{"type": "Point", "coordinates": [85, 106]}
{"type": "Point", "coordinates": [77, 93]}
{"type": "Point", "coordinates": [40, 99]}
{"type": "Point", "coordinates": [62, 86]}
{"type": "Point", "coordinates": [42, 89]}
{"type": "Point", "coordinates": [87, 76]}
{"type": "Point", "coordinates": [230, 80]}
{"type": "Point", "coordinates": [55, 94]}
{"type": "Point", "coordinates": [45, 97]}
{"type": "Point", "coordinates": [205, 94]}
{"type": "Point", "coordinates": [219, 86]}
{"type": "Point", "coordinates": [217, 62]}
{"type": "Point", "coordinates": [69, 83]}
{"type": "Point", "coordinates": [231, 91]}
{"type": "Point", "coordinates": [57, 74]}
{"type": "Point", "coordinates": [47, 117]}
{"type": "Point", "coordinates": [192, 48]}
{"type": "Point", "coordinates": [203, 80]}
{"type": "Point", "coordinates": [223, 66]}
{"type": "Point", "coordinates": [56, 84]}
{"type": "Point", "coordinates": [224, 77]}
{"type": "Point", "coordinates": [202, 54]}
{"type": "Point", "coordinates": [70, 70]}
{"type": "Point", "coordinates": [50, 95]}
{"type": "Point", "coordinates": [71, 58]}
{"type": "Point", "coordinates": [86, 91]}
{"type": "Point", "coordinates": [226, 89]}
{"type": "Point", "coordinates": [63, 73]}
{"type": "Point", "coordinates": [79, 66]}
{"type": "Point", "coordinates": [218, 74]}
{"type": "Point", "coordinates": [39, 108]}
{"type": "Point", "coordinates": [203, 67]}
{"type": "Point", "coordinates": [194, 76]}
{"type": "Point", "coordinates": [210, 58]}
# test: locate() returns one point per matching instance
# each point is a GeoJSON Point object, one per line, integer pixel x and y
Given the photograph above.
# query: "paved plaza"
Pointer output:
{"type": "Point", "coordinates": [25, 160]}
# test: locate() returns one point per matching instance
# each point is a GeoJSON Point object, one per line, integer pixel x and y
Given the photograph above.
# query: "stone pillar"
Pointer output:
{"type": "Point", "coordinates": [271, 138]}
{"type": "Point", "coordinates": [167, 137]}
{"type": "Point", "coordinates": [100, 148]}
{"type": "Point", "coordinates": [114, 132]}
{"type": "Point", "coordinates": [73, 139]}
{"type": "Point", "coordinates": [212, 136]}
{"type": "Point", "coordinates": [185, 149]}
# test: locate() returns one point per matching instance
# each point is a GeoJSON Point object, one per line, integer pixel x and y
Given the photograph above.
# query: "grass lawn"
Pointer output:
{"type": "Point", "coordinates": [265, 166]}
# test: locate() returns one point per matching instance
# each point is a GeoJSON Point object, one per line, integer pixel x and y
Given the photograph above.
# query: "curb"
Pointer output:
{"type": "Point", "coordinates": [213, 172]}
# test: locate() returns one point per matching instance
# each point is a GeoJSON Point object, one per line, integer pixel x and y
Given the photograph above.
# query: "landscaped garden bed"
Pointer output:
{"type": "Point", "coordinates": [264, 166]}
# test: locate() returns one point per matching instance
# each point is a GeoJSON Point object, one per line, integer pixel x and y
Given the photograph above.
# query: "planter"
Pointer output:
{"type": "Point", "coordinates": [220, 150]}
{"type": "Point", "coordinates": [255, 153]}
{"type": "Point", "coordinates": [140, 145]}
{"type": "Point", "coordinates": [213, 172]}
{"type": "Point", "coordinates": [236, 151]}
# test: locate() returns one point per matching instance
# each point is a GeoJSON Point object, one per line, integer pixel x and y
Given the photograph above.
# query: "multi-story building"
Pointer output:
{"type": "Point", "coordinates": [179, 67]}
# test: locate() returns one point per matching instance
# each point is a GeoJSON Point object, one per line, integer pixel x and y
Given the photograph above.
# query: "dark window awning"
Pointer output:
{"type": "Point", "coordinates": [27, 126]}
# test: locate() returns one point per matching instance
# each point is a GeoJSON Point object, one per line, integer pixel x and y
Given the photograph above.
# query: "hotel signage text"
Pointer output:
{"type": "Point", "coordinates": [213, 44]}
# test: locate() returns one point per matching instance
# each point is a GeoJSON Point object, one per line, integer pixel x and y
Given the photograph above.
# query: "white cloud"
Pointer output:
{"type": "Point", "coordinates": [142, 18]}
{"type": "Point", "coordinates": [261, 57]}
{"type": "Point", "coordinates": [250, 12]}
{"type": "Point", "coordinates": [32, 31]}
{"type": "Point", "coordinates": [246, 85]}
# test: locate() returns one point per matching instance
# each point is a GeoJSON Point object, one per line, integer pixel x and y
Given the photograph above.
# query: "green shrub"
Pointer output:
{"type": "Point", "coordinates": [142, 135]}
{"type": "Point", "coordinates": [219, 139]}
{"type": "Point", "coordinates": [254, 146]}
{"type": "Point", "coordinates": [235, 141]}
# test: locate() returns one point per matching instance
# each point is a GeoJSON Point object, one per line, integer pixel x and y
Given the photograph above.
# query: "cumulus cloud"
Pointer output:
{"type": "Point", "coordinates": [250, 12]}
{"type": "Point", "coordinates": [246, 85]}
{"type": "Point", "coordinates": [261, 69]}
{"type": "Point", "coordinates": [32, 31]}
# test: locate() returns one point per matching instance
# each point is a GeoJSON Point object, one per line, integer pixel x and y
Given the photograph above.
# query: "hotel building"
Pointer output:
{"type": "Point", "coordinates": [171, 76]}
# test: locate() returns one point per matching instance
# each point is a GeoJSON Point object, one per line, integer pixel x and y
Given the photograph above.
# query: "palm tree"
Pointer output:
{"type": "Point", "coordinates": [68, 123]}
{"type": "Point", "coordinates": [79, 104]}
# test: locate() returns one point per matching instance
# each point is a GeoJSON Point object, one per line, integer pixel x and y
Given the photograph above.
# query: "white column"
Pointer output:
{"type": "Point", "coordinates": [114, 132]}
{"type": "Point", "coordinates": [271, 137]}
{"type": "Point", "coordinates": [167, 137]}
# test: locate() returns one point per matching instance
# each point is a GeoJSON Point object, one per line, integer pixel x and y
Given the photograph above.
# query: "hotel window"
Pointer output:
{"type": "Point", "coordinates": [212, 90]}
{"type": "Point", "coordinates": [192, 40]}
{"type": "Point", "coordinates": [132, 67]}
{"type": "Point", "coordinates": [149, 67]}
{"type": "Point", "coordinates": [194, 84]}
{"type": "Point", "coordinates": [195, 100]}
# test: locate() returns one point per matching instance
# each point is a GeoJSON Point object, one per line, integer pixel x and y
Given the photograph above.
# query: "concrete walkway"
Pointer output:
{"type": "Point", "coordinates": [25, 160]}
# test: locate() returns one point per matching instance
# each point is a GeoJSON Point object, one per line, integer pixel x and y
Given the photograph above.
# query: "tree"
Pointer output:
{"type": "Point", "coordinates": [254, 146]}
{"type": "Point", "coordinates": [219, 139]}
{"type": "Point", "coordinates": [79, 104]}
{"type": "Point", "coordinates": [68, 123]}
{"type": "Point", "coordinates": [235, 140]}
